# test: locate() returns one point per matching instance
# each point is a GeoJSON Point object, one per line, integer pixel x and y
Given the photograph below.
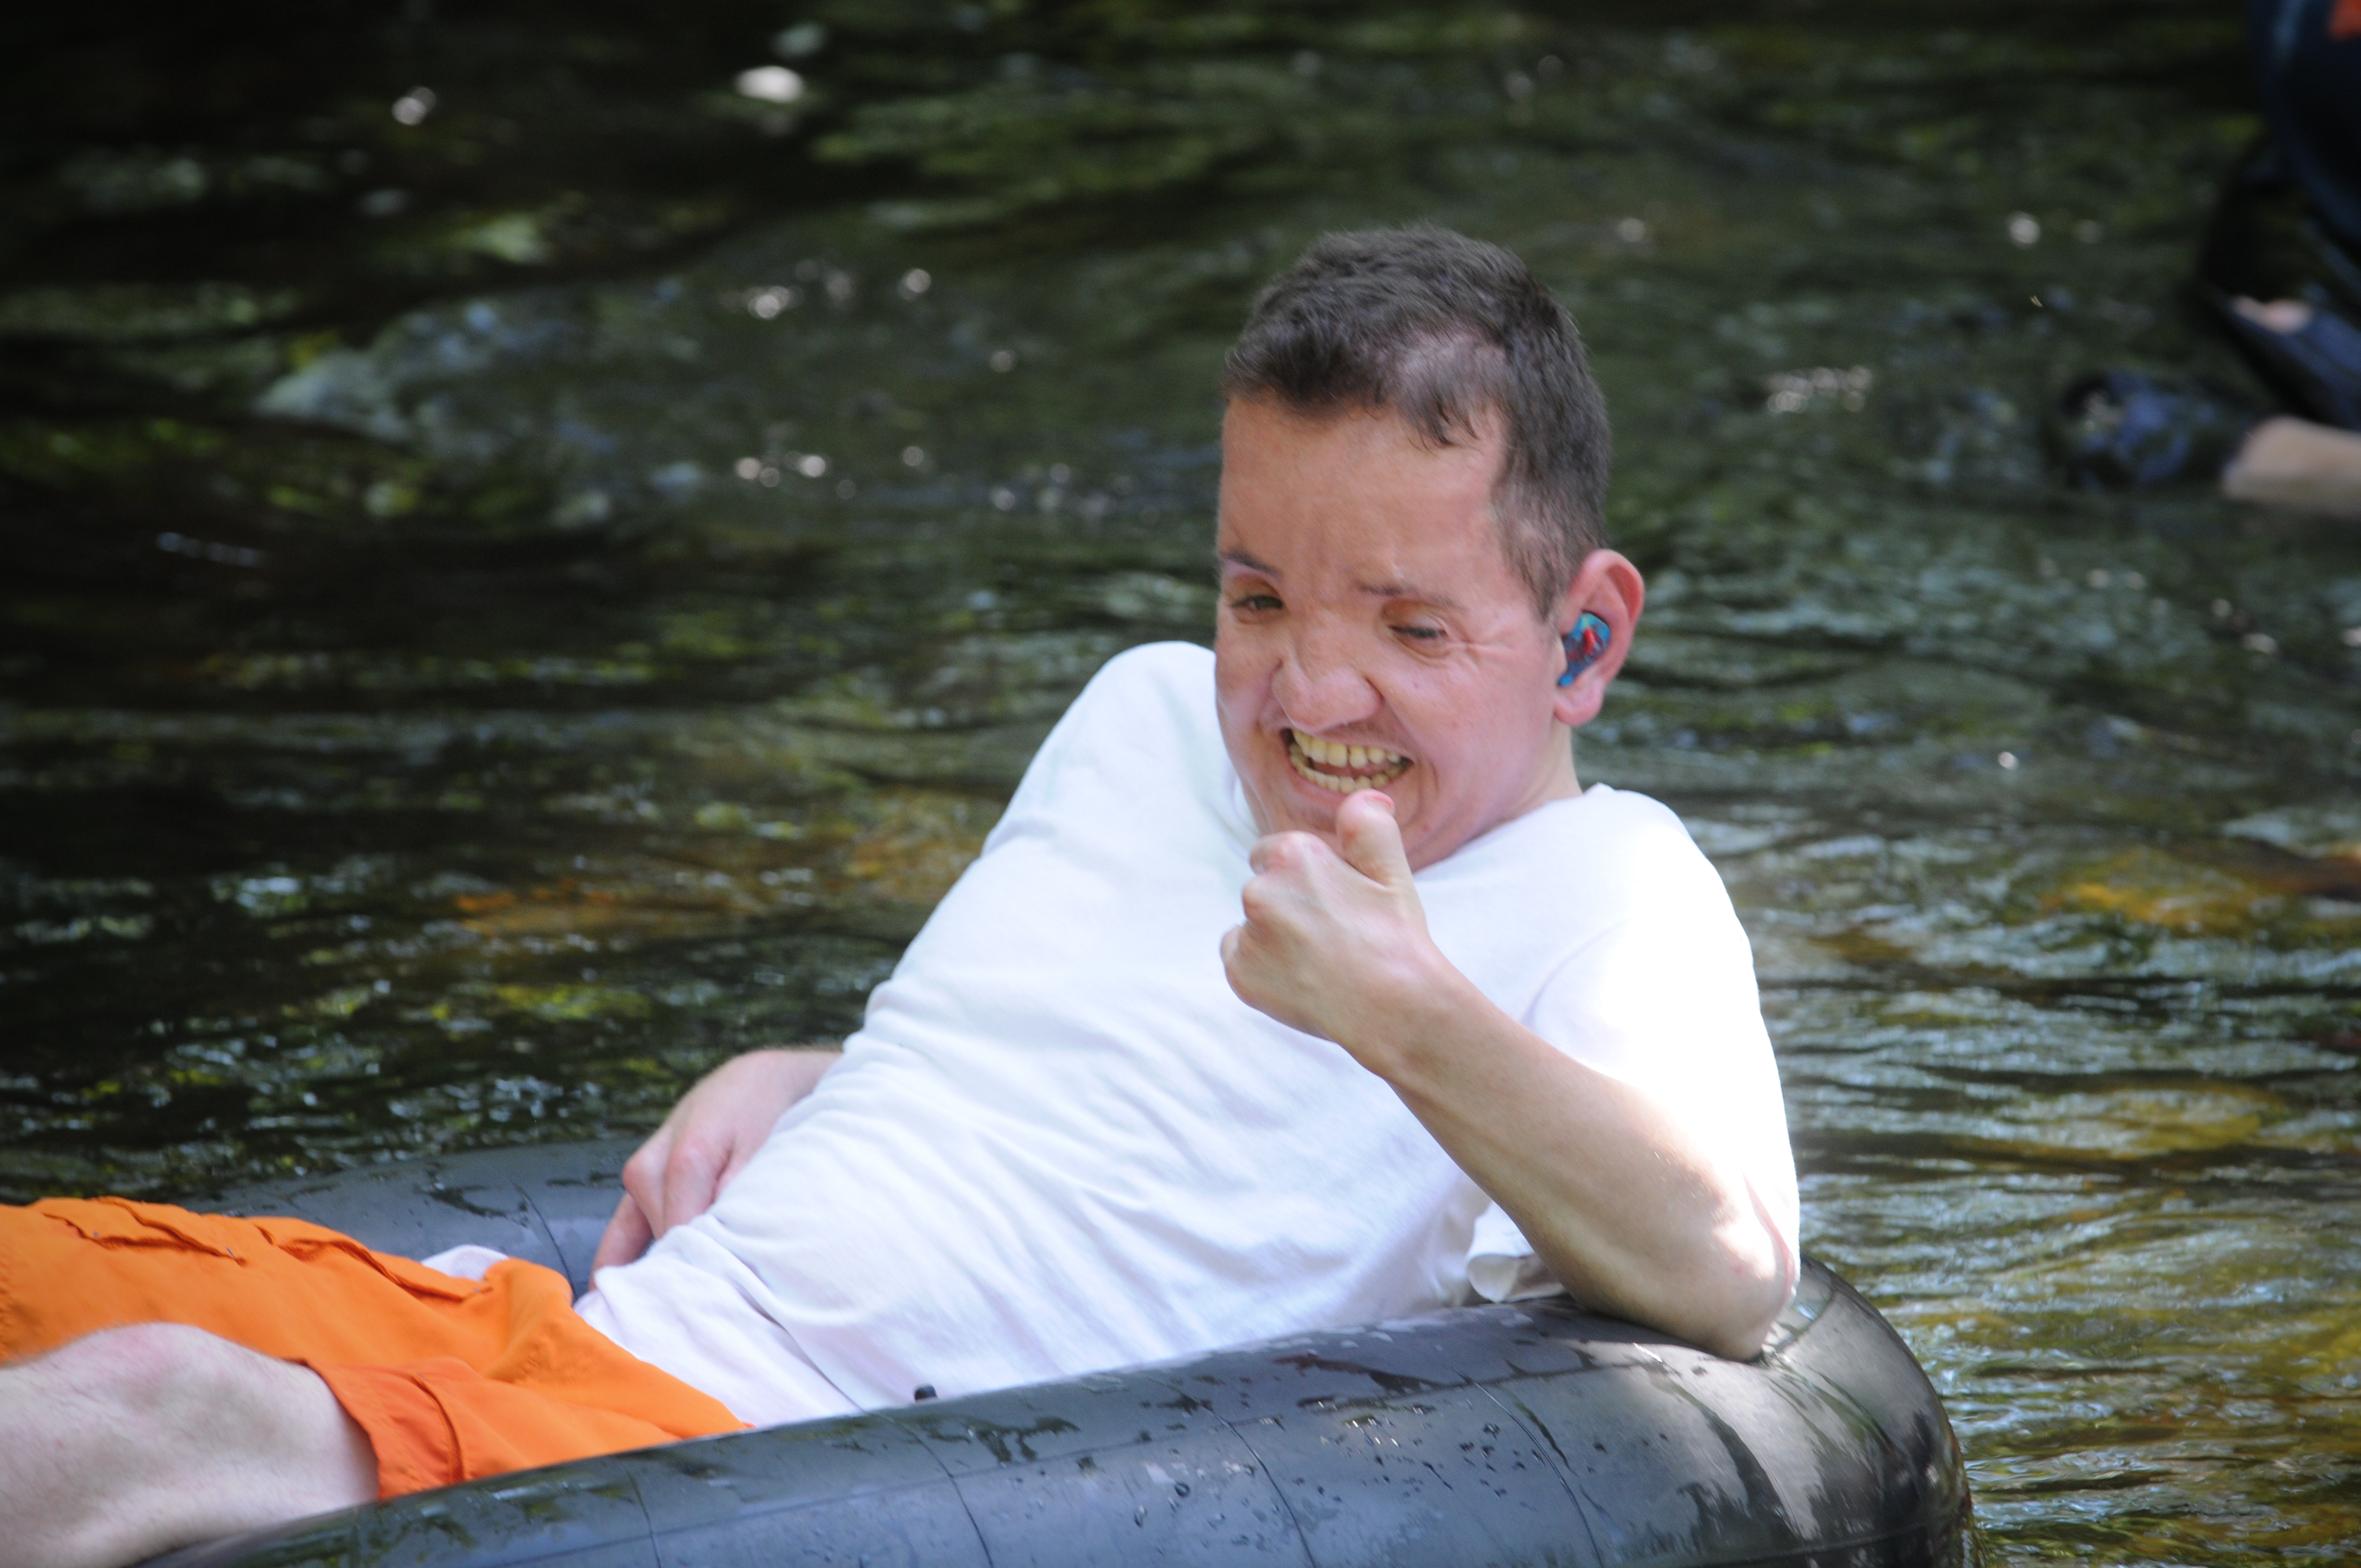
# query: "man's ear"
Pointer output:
{"type": "Point", "coordinates": [1608, 587]}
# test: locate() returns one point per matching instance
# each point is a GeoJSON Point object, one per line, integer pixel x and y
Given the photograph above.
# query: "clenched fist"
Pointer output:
{"type": "Point", "coordinates": [1335, 944]}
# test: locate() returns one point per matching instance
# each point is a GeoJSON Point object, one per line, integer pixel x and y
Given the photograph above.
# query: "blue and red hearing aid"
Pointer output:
{"type": "Point", "coordinates": [1584, 644]}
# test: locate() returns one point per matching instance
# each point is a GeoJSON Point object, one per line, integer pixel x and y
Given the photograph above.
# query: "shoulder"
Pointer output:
{"type": "Point", "coordinates": [1165, 675]}
{"type": "Point", "coordinates": [1156, 700]}
{"type": "Point", "coordinates": [1604, 837]}
{"type": "Point", "coordinates": [1143, 732]}
{"type": "Point", "coordinates": [1581, 881]}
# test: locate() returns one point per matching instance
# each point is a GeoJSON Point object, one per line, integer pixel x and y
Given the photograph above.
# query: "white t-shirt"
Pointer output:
{"type": "Point", "coordinates": [1061, 1144]}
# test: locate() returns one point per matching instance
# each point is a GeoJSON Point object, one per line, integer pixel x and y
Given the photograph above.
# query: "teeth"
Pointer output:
{"type": "Point", "coordinates": [1333, 754]}
{"type": "Point", "coordinates": [1309, 755]}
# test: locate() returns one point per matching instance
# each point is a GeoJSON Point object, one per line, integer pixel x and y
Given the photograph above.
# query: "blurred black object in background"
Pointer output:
{"type": "Point", "coordinates": [2289, 228]}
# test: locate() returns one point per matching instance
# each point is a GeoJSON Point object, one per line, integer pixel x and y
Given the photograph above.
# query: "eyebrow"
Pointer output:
{"type": "Point", "coordinates": [1411, 591]}
{"type": "Point", "coordinates": [1391, 591]}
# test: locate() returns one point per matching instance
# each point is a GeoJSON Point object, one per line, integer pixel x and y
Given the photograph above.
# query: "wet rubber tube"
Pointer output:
{"type": "Point", "coordinates": [1532, 1433]}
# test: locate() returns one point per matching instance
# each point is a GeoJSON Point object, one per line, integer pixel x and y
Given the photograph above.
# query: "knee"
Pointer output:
{"type": "Point", "coordinates": [131, 1440]}
{"type": "Point", "coordinates": [151, 1373]}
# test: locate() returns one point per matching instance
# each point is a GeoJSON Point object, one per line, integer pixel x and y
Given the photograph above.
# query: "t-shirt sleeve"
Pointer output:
{"type": "Point", "coordinates": [1664, 999]}
{"type": "Point", "coordinates": [1501, 1263]}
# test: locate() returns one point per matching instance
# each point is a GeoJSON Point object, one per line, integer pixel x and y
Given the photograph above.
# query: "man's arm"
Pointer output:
{"type": "Point", "coordinates": [707, 1139]}
{"type": "Point", "coordinates": [1631, 1212]}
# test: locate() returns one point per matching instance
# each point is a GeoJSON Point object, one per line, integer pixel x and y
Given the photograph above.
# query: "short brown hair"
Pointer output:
{"type": "Point", "coordinates": [1441, 330]}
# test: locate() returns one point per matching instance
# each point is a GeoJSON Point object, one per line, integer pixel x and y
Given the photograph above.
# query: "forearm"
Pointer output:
{"type": "Point", "coordinates": [795, 1070]}
{"type": "Point", "coordinates": [1632, 1212]}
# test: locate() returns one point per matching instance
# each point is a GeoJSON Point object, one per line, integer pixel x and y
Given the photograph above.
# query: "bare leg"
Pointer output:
{"type": "Point", "coordinates": [135, 1441]}
{"type": "Point", "coordinates": [2288, 462]}
{"type": "Point", "coordinates": [2278, 315]}
{"type": "Point", "coordinates": [2295, 464]}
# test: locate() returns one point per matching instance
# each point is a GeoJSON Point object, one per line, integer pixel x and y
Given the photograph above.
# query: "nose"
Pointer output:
{"type": "Point", "coordinates": [1319, 684]}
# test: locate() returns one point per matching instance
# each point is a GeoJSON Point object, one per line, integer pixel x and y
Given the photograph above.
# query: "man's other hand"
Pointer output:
{"type": "Point", "coordinates": [1332, 943]}
{"type": "Point", "coordinates": [707, 1140]}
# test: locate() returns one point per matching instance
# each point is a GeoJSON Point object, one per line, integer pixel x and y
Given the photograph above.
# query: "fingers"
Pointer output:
{"type": "Point", "coordinates": [670, 1182]}
{"type": "Point", "coordinates": [674, 1177]}
{"type": "Point", "coordinates": [1370, 839]}
{"type": "Point", "coordinates": [626, 1238]}
{"type": "Point", "coordinates": [1286, 852]}
{"type": "Point", "coordinates": [715, 1130]}
{"type": "Point", "coordinates": [742, 1155]}
{"type": "Point", "coordinates": [692, 1180]}
{"type": "Point", "coordinates": [1247, 965]}
{"type": "Point", "coordinates": [1233, 953]}
{"type": "Point", "coordinates": [1258, 859]}
{"type": "Point", "coordinates": [643, 1174]}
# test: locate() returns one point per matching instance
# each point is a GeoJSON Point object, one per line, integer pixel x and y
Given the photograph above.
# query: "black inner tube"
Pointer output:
{"type": "Point", "coordinates": [1532, 1433]}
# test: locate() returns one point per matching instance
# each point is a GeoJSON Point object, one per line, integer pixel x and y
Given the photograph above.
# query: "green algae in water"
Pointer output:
{"type": "Point", "coordinates": [525, 603]}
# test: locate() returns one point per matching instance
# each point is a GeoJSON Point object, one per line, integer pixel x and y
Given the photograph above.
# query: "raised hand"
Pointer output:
{"type": "Point", "coordinates": [1335, 943]}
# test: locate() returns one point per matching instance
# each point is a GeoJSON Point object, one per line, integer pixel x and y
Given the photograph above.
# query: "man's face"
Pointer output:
{"type": "Point", "coordinates": [1371, 634]}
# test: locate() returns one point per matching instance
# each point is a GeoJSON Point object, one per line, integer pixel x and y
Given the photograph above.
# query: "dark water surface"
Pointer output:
{"type": "Point", "coordinates": [504, 610]}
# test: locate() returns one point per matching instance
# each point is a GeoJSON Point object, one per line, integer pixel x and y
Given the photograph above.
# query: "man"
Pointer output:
{"type": "Point", "coordinates": [1477, 1025]}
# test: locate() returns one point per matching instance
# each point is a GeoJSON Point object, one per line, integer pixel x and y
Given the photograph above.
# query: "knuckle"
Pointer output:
{"type": "Point", "coordinates": [691, 1158]}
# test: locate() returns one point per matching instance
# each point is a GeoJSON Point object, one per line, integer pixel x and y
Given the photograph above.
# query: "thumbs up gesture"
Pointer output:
{"type": "Point", "coordinates": [1335, 943]}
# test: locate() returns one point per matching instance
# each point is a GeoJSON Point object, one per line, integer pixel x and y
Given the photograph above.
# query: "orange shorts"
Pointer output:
{"type": "Point", "coordinates": [452, 1379]}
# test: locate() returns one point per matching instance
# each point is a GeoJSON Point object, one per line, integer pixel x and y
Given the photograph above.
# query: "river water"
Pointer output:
{"type": "Point", "coordinates": [518, 591]}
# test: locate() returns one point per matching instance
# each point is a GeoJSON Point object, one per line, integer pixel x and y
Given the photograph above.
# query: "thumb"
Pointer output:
{"type": "Point", "coordinates": [1370, 839]}
{"type": "Point", "coordinates": [626, 1237]}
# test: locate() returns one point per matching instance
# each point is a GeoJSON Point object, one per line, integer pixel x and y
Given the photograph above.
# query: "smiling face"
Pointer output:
{"type": "Point", "coordinates": [1371, 633]}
